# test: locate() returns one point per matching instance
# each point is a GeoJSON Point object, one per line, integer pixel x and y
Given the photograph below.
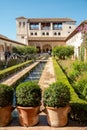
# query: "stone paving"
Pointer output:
{"type": "Point", "coordinates": [48, 75]}
{"type": "Point", "coordinates": [47, 78]}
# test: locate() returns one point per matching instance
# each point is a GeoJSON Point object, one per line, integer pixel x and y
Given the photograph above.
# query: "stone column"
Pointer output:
{"type": "Point", "coordinates": [51, 26]}
{"type": "Point", "coordinates": [39, 26]}
{"type": "Point", "coordinates": [35, 44]}
{"type": "Point", "coordinates": [41, 47]}
{"type": "Point", "coordinates": [78, 53]}
{"type": "Point", "coordinates": [28, 26]}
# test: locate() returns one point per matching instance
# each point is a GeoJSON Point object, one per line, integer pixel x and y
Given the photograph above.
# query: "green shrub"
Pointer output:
{"type": "Point", "coordinates": [73, 76]}
{"type": "Point", "coordinates": [56, 95]}
{"type": "Point", "coordinates": [1, 65]}
{"type": "Point", "coordinates": [28, 94]}
{"type": "Point", "coordinates": [77, 69]}
{"type": "Point", "coordinates": [6, 95]}
{"type": "Point", "coordinates": [8, 71]}
{"type": "Point", "coordinates": [80, 66]}
{"type": "Point", "coordinates": [63, 51]}
{"type": "Point", "coordinates": [13, 62]}
{"type": "Point", "coordinates": [78, 105]}
{"type": "Point", "coordinates": [81, 87]}
{"type": "Point", "coordinates": [78, 112]}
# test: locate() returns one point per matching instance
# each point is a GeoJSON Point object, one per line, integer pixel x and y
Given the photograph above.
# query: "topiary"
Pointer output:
{"type": "Point", "coordinates": [56, 95]}
{"type": "Point", "coordinates": [6, 95]}
{"type": "Point", "coordinates": [28, 94]}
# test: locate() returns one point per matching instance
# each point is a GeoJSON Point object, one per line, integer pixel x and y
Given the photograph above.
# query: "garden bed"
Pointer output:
{"type": "Point", "coordinates": [9, 71]}
{"type": "Point", "coordinates": [79, 106]}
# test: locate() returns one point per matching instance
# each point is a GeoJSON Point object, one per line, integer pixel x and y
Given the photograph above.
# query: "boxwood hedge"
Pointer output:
{"type": "Point", "coordinates": [8, 71]}
{"type": "Point", "coordinates": [78, 105]}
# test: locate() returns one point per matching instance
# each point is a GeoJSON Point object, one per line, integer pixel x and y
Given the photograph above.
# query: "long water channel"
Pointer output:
{"type": "Point", "coordinates": [33, 75]}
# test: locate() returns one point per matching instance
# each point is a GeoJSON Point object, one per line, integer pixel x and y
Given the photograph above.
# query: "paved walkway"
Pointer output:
{"type": "Point", "coordinates": [47, 78]}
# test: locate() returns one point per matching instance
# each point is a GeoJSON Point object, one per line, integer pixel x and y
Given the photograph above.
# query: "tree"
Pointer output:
{"type": "Point", "coordinates": [63, 51]}
{"type": "Point", "coordinates": [25, 52]}
{"type": "Point", "coordinates": [18, 50]}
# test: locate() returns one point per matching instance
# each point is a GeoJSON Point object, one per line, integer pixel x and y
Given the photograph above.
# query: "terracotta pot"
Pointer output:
{"type": "Point", "coordinates": [5, 115]}
{"type": "Point", "coordinates": [57, 116]}
{"type": "Point", "coordinates": [28, 116]}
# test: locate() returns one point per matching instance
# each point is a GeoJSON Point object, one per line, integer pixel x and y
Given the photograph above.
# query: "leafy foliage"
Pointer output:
{"type": "Point", "coordinates": [79, 106]}
{"type": "Point", "coordinates": [6, 95]}
{"type": "Point", "coordinates": [25, 53]}
{"type": "Point", "coordinates": [10, 70]}
{"type": "Point", "coordinates": [78, 68]}
{"type": "Point", "coordinates": [81, 87]}
{"type": "Point", "coordinates": [56, 95]}
{"type": "Point", "coordinates": [28, 94]}
{"type": "Point", "coordinates": [24, 50]}
{"type": "Point", "coordinates": [63, 51]}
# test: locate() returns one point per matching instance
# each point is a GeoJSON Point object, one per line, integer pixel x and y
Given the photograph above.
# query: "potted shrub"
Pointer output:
{"type": "Point", "coordinates": [56, 101]}
{"type": "Point", "coordinates": [28, 99]}
{"type": "Point", "coordinates": [6, 101]}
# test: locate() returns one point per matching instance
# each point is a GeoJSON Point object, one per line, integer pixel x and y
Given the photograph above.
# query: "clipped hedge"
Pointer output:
{"type": "Point", "coordinates": [6, 95]}
{"type": "Point", "coordinates": [76, 103]}
{"type": "Point", "coordinates": [56, 95]}
{"type": "Point", "coordinates": [28, 94]}
{"type": "Point", "coordinates": [8, 71]}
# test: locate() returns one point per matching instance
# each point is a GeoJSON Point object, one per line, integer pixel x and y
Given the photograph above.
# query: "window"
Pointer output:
{"type": "Point", "coordinates": [69, 27]}
{"type": "Point", "coordinates": [43, 33]}
{"type": "Point", "coordinates": [47, 33]}
{"type": "Point", "coordinates": [45, 26]}
{"type": "Point", "coordinates": [59, 33]}
{"type": "Point", "coordinates": [35, 33]}
{"type": "Point", "coordinates": [57, 26]}
{"type": "Point", "coordinates": [19, 24]}
{"type": "Point", "coordinates": [34, 26]}
{"type": "Point", "coordinates": [23, 24]}
{"type": "Point", "coordinates": [31, 33]}
{"type": "Point", "coordinates": [22, 37]}
{"type": "Point", "coordinates": [55, 33]}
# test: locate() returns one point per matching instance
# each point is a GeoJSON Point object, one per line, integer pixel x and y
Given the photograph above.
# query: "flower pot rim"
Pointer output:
{"type": "Point", "coordinates": [27, 107]}
{"type": "Point", "coordinates": [56, 107]}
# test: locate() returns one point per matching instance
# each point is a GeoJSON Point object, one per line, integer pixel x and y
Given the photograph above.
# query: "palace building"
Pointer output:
{"type": "Point", "coordinates": [76, 39]}
{"type": "Point", "coordinates": [44, 33]}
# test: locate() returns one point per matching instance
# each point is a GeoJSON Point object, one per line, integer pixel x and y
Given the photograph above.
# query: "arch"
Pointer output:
{"type": "Point", "coordinates": [2, 48]}
{"type": "Point", "coordinates": [38, 49]}
{"type": "Point", "coordinates": [47, 48]}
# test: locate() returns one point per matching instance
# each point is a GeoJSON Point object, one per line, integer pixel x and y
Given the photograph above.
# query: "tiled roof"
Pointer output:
{"type": "Point", "coordinates": [21, 17]}
{"type": "Point", "coordinates": [50, 20]}
{"type": "Point", "coordinates": [2, 37]}
{"type": "Point", "coordinates": [47, 19]}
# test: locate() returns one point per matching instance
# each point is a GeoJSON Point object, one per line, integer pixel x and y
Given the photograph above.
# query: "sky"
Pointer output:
{"type": "Point", "coordinates": [11, 9]}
